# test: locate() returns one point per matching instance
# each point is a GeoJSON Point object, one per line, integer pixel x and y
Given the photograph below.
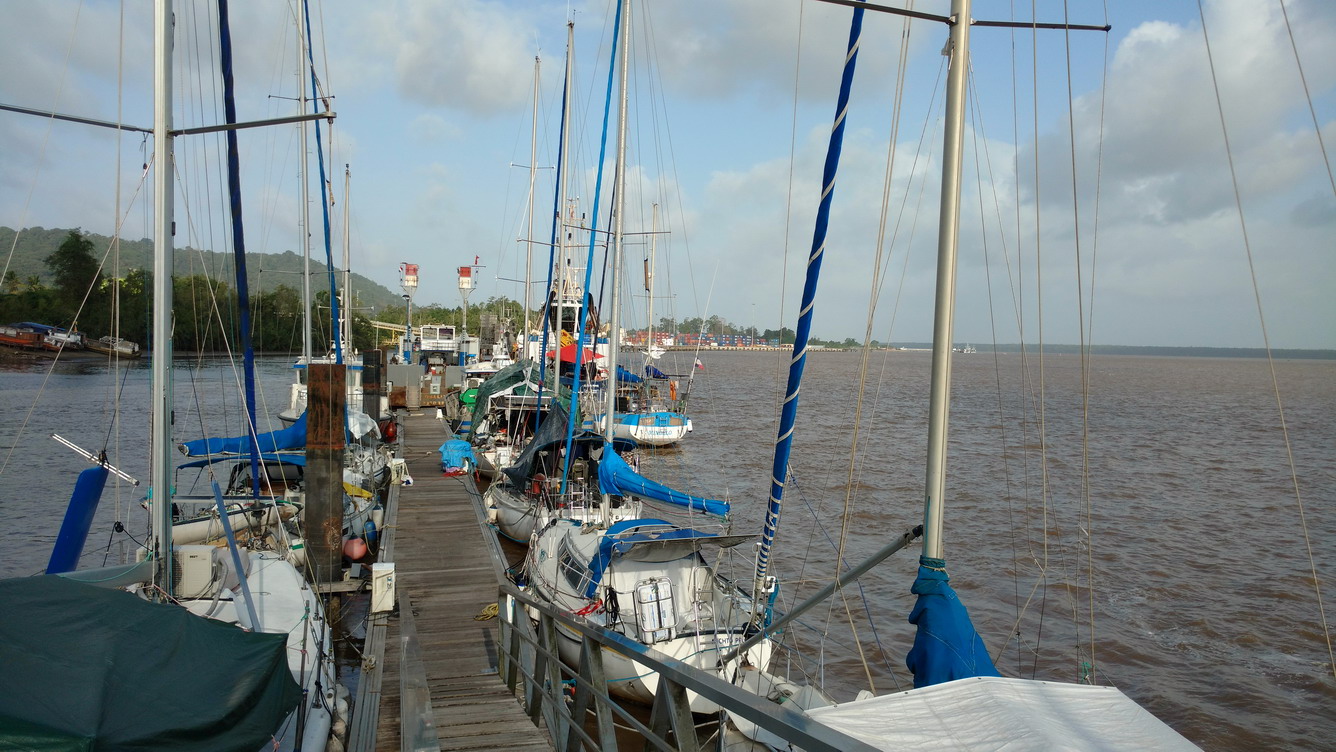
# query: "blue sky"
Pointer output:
{"type": "Point", "coordinates": [434, 109]}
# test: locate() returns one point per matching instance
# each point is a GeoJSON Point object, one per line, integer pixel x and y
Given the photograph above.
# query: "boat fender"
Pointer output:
{"type": "Point", "coordinates": [537, 483]}
{"type": "Point", "coordinates": [370, 533]}
{"type": "Point", "coordinates": [354, 549]}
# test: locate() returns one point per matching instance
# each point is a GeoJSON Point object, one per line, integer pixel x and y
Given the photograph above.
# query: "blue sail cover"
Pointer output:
{"type": "Point", "coordinates": [654, 373]}
{"type": "Point", "coordinates": [946, 647]}
{"type": "Point", "coordinates": [620, 538]}
{"type": "Point", "coordinates": [78, 520]}
{"type": "Point", "coordinates": [292, 437]}
{"type": "Point", "coordinates": [627, 377]}
{"type": "Point", "coordinates": [615, 477]}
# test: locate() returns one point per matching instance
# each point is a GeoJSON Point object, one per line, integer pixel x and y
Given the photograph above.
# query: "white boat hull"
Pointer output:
{"type": "Point", "coordinates": [678, 607]}
{"type": "Point", "coordinates": [651, 429]}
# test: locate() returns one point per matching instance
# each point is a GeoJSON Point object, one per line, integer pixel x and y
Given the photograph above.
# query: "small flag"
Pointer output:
{"type": "Point", "coordinates": [699, 364]}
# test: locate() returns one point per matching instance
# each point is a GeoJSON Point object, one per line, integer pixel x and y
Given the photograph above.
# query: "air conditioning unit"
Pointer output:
{"type": "Point", "coordinates": [197, 571]}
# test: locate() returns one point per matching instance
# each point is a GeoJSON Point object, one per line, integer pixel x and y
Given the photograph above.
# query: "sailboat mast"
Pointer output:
{"type": "Point", "coordinates": [161, 445]}
{"type": "Point", "coordinates": [944, 313]}
{"type": "Point", "coordinates": [563, 167]}
{"type": "Point", "coordinates": [533, 174]}
{"type": "Point", "coordinates": [305, 198]}
{"type": "Point", "coordinates": [618, 209]}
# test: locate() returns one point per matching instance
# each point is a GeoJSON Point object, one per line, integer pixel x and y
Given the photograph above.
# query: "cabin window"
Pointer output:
{"type": "Point", "coordinates": [577, 574]}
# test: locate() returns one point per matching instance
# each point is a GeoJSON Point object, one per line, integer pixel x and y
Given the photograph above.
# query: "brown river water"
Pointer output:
{"type": "Point", "coordinates": [1165, 553]}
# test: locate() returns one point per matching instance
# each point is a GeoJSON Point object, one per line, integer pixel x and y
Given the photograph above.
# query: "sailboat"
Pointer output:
{"type": "Point", "coordinates": [960, 700]}
{"type": "Point", "coordinates": [650, 409]}
{"type": "Point", "coordinates": [643, 577]}
{"type": "Point", "coordinates": [242, 639]}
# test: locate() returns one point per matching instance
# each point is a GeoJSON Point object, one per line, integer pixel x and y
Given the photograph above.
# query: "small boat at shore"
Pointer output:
{"type": "Point", "coordinates": [20, 335]}
{"type": "Point", "coordinates": [122, 348]}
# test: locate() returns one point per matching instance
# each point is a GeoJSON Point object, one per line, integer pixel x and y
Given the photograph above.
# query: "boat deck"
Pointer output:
{"type": "Point", "coordinates": [447, 572]}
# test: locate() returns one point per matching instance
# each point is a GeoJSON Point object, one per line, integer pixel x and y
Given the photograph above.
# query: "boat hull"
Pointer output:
{"type": "Point", "coordinates": [657, 429]}
{"type": "Point", "coordinates": [663, 596]}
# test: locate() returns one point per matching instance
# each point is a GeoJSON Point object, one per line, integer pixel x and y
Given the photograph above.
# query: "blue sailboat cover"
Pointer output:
{"type": "Point", "coordinates": [946, 647]}
{"type": "Point", "coordinates": [616, 478]}
{"type": "Point", "coordinates": [628, 377]}
{"type": "Point", "coordinates": [292, 437]}
{"type": "Point", "coordinates": [621, 538]}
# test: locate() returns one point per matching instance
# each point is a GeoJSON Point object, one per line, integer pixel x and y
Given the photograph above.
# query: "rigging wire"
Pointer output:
{"type": "Point", "coordinates": [1090, 323]}
{"type": "Point", "coordinates": [1266, 341]}
{"type": "Point", "coordinates": [1083, 344]}
{"type": "Point", "coordinates": [1039, 324]}
{"type": "Point", "coordinates": [41, 153]}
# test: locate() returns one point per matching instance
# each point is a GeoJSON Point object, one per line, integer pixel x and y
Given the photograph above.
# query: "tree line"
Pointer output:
{"type": "Point", "coordinates": [204, 310]}
{"type": "Point", "coordinates": [205, 316]}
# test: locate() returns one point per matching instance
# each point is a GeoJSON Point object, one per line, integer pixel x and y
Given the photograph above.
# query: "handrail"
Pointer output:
{"type": "Point", "coordinates": [529, 662]}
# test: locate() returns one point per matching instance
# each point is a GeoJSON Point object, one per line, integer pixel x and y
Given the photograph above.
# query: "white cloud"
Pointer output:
{"type": "Point", "coordinates": [469, 55]}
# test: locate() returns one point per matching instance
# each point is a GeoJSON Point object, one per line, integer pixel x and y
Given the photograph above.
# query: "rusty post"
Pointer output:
{"type": "Point", "coordinates": [326, 392]}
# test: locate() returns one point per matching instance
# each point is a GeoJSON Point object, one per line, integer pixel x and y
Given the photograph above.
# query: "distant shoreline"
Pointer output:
{"type": "Point", "coordinates": [1012, 349]}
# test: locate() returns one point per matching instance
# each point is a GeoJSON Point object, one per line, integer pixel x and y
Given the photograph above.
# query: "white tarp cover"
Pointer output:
{"type": "Point", "coordinates": [998, 713]}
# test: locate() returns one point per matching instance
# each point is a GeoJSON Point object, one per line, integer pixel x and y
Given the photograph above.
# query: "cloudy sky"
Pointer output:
{"type": "Point", "coordinates": [731, 102]}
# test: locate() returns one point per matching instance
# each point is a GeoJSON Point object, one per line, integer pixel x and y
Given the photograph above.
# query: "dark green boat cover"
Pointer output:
{"type": "Point", "coordinates": [88, 668]}
{"type": "Point", "coordinates": [520, 371]}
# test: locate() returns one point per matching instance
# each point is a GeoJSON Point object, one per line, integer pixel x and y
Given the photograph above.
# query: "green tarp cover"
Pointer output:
{"type": "Point", "coordinates": [520, 371]}
{"type": "Point", "coordinates": [93, 669]}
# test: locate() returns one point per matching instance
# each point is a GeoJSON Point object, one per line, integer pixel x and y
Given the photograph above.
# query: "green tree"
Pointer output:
{"type": "Point", "coordinates": [76, 276]}
{"type": "Point", "coordinates": [11, 282]}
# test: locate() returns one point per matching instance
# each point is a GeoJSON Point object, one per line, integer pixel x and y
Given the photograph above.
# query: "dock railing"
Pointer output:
{"type": "Point", "coordinates": [531, 667]}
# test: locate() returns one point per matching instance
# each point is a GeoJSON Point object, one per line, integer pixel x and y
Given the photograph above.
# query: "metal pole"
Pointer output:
{"type": "Point", "coordinates": [533, 173]}
{"type": "Point", "coordinates": [305, 196]}
{"type": "Point", "coordinates": [161, 474]}
{"type": "Point", "coordinates": [948, 240]}
{"type": "Point", "coordinates": [618, 210]}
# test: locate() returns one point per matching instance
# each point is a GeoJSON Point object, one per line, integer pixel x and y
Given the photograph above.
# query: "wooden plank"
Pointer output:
{"type": "Point", "coordinates": [417, 730]}
{"type": "Point", "coordinates": [444, 558]}
{"type": "Point", "coordinates": [367, 706]}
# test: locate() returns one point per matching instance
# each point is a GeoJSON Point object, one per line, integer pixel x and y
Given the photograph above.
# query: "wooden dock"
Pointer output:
{"type": "Point", "coordinates": [440, 653]}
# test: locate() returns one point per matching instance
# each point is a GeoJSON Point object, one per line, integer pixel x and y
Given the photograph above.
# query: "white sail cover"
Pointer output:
{"type": "Point", "coordinates": [999, 713]}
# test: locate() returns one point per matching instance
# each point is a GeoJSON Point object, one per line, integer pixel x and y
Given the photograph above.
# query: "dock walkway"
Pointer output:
{"type": "Point", "coordinates": [446, 571]}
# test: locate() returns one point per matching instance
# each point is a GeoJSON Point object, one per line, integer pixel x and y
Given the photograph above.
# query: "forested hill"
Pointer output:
{"type": "Point", "coordinates": [265, 271]}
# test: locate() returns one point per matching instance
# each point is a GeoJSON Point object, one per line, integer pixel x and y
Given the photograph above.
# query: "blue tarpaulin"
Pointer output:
{"type": "Point", "coordinates": [456, 454]}
{"type": "Point", "coordinates": [946, 647]}
{"type": "Point", "coordinates": [654, 373]}
{"type": "Point", "coordinates": [615, 477]}
{"type": "Point", "coordinates": [292, 437]}
{"type": "Point", "coordinates": [627, 376]}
